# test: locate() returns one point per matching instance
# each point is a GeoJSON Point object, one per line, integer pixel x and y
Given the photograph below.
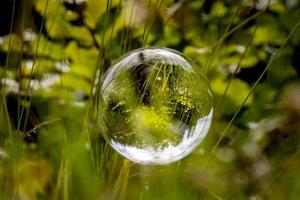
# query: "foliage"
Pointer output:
{"type": "Point", "coordinates": [53, 54]}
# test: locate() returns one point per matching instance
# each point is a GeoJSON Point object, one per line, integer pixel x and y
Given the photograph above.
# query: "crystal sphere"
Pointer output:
{"type": "Point", "coordinates": [156, 106]}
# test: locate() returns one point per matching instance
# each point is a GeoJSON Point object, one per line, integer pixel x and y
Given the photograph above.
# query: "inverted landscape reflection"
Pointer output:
{"type": "Point", "coordinates": [156, 106]}
{"type": "Point", "coordinates": [149, 155]}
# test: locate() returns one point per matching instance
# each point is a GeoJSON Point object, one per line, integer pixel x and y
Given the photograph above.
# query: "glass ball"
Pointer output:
{"type": "Point", "coordinates": [156, 106]}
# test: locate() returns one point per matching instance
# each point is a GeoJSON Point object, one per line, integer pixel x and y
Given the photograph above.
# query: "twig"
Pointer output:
{"type": "Point", "coordinates": [39, 126]}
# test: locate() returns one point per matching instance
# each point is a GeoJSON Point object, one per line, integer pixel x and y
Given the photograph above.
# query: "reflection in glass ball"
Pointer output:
{"type": "Point", "coordinates": [156, 106]}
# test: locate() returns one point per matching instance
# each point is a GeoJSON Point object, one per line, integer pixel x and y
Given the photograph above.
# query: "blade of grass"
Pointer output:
{"type": "Point", "coordinates": [31, 72]}
{"type": "Point", "coordinates": [3, 85]}
{"type": "Point", "coordinates": [242, 56]}
{"type": "Point", "coordinates": [219, 42]}
{"type": "Point", "coordinates": [273, 57]}
{"type": "Point", "coordinates": [159, 5]}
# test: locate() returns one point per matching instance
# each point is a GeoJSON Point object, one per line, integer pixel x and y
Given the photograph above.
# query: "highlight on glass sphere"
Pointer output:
{"type": "Point", "coordinates": [156, 106]}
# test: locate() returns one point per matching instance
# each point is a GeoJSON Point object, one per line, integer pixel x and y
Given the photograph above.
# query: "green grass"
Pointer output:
{"type": "Point", "coordinates": [50, 141]}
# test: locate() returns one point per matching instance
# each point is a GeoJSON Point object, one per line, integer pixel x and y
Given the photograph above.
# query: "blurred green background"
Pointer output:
{"type": "Point", "coordinates": [53, 54]}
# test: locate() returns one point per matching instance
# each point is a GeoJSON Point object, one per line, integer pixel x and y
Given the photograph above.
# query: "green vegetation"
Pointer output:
{"type": "Point", "coordinates": [54, 53]}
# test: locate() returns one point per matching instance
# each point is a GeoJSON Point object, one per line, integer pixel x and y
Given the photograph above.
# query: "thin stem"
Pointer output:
{"type": "Point", "coordinates": [251, 91]}
{"type": "Point", "coordinates": [32, 70]}
{"type": "Point", "coordinates": [242, 57]}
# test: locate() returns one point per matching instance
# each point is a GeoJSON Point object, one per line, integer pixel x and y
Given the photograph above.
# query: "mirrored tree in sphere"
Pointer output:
{"type": "Point", "coordinates": [156, 106]}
